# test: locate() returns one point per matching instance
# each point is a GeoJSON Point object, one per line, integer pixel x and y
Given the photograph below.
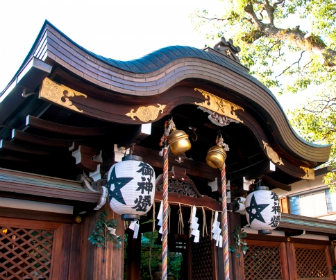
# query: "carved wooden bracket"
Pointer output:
{"type": "Point", "coordinates": [179, 174]}
{"type": "Point", "coordinates": [83, 156]}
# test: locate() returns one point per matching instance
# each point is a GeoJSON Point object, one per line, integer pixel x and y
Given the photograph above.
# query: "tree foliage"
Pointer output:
{"type": "Point", "coordinates": [290, 46]}
{"type": "Point", "coordinates": [295, 38]}
{"type": "Point", "coordinates": [316, 122]}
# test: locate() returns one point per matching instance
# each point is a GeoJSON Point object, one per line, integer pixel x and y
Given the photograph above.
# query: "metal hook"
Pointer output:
{"type": "Point", "coordinates": [194, 137]}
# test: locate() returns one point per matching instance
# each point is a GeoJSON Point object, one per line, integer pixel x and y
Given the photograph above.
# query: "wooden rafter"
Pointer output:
{"type": "Point", "coordinates": [37, 123]}
{"type": "Point", "coordinates": [39, 140]}
{"type": "Point", "coordinates": [14, 147]}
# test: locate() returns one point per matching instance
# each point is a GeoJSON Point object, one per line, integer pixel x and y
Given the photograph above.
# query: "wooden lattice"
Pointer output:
{"type": "Point", "coordinates": [202, 264]}
{"type": "Point", "coordinates": [25, 253]}
{"type": "Point", "coordinates": [311, 263]}
{"type": "Point", "coordinates": [262, 263]}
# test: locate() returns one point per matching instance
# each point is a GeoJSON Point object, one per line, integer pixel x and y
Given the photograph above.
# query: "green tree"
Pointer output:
{"type": "Point", "coordinates": [305, 50]}
{"type": "Point", "coordinates": [290, 46]}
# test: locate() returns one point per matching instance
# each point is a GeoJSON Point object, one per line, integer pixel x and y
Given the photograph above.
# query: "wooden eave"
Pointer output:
{"type": "Point", "coordinates": [55, 48]}
{"type": "Point", "coordinates": [296, 222]}
{"type": "Point", "coordinates": [44, 186]}
{"type": "Point", "coordinates": [107, 90]}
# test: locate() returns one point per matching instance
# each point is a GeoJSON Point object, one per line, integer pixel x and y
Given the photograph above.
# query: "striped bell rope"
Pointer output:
{"type": "Point", "coordinates": [165, 215]}
{"type": "Point", "coordinates": [225, 225]}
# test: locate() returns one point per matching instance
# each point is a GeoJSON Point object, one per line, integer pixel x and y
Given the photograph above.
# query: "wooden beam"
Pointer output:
{"type": "Point", "coordinates": [31, 184]}
{"type": "Point", "coordinates": [11, 146]}
{"type": "Point", "coordinates": [194, 168]}
{"type": "Point", "coordinates": [176, 199]}
{"type": "Point", "coordinates": [253, 171]}
{"type": "Point", "coordinates": [37, 123]}
{"type": "Point", "coordinates": [39, 140]}
{"type": "Point", "coordinates": [275, 184]}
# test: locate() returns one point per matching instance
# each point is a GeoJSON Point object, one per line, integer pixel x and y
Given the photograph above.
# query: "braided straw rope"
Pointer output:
{"type": "Point", "coordinates": [225, 226]}
{"type": "Point", "coordinates": [165, 215]}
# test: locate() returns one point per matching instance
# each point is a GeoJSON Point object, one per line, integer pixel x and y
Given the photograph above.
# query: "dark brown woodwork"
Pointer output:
{"type": "Point", "coordinates": [37, 123]}
{"type": "Point", "coordinates": [194, 168]}
{"type": "Point", "coordinates": [275, 184]}
{"type": "Point", "coordinates": [37, 215]}
{"type": "Point", "coordinates": [203, 264]}
{"type": "Point", "coordinates": [236, 264]}
{"type": "Point", "coordinates": [25, 252]}
{"type": "Point", "coordinates": [255, 171]}
{"type": "Point", "coordinates": [61, 253]}
{"type": "Point", "coordinates": [76, 193]}
{"type": "Point", "coordinates": [133, 257]}
{"type": "Point", "coordinates": [14, 147]}
{"type": "Point", "coordinates": [84, 155]}
{"type": "Point", "coordinates": [39, 140]}
{"type": "Point", "coordinates": [176, 199]}
{"type": "Point", "coordinates": [75, 252]}
{"type": "Point", "coordinates": [100, 264]}
{"type": "Point", "coordinates": [180, 174]}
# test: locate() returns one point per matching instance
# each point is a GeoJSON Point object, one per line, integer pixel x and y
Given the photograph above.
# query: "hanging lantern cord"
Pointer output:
{"type": "Point", "coordinates": [225, 225]}
{"type": "Point", "coordinates": [165, 215]}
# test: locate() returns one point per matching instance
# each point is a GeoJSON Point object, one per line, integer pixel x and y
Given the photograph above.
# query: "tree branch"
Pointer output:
{"type": "Point", "coordinates": [296, 62]}
{"type": "Point", "coordinates": [257, 23]}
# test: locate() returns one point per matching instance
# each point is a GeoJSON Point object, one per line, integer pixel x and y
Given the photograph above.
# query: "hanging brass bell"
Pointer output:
{"type": "Point", "coordinates": [216, 157]}
{"type": "Point", "coordinates": [178, 142]}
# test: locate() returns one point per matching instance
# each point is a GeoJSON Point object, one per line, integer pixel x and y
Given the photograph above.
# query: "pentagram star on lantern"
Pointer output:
{"type": "Point", "coordinates": [258, 209]}
{"type": "Point", "coordinates": [118, 184]}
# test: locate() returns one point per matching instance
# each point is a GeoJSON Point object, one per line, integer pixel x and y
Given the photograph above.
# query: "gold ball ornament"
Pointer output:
{"type": "Point", "coordinates": [178, 142]}
{"type": "Point", "coordinates": [216, 157]}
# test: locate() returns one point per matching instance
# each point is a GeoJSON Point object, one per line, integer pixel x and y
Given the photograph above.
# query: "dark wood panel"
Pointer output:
{"type": "Point", "coordinates": [39, 140]}
{"type": "Point", "coordinates": [37, 123]}
{"type": "Point", "coordinates": [36, 215]}
{"type": "Point", "coordinates": [194, 168]}
{"type": "Point", "coordinates": [75, 252]}
{"type": "Point", "coordinates": [61, 253]}
{"type": "Point", "coordinates": [176, 199]}
{"type": "Point", "coordinates": [25, 223]}
{"type": "Point", "coordinates": [14, 147]}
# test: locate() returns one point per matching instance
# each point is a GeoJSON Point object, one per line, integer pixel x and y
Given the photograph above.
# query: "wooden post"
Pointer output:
{"type": "Point", "coordinates": [104, 264]}
{"type": "Point", "coordinates": [237, 264]}
{"type": "Point", "coordinates": [133, 256]}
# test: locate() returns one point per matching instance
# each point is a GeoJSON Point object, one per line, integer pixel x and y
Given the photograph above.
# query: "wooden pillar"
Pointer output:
{"type": "Point", "coordinates": [103, 264]}
{"type": "Point", "coordinates": [133, 256]}
{"type": "Point", "coordinates": [236, 264]}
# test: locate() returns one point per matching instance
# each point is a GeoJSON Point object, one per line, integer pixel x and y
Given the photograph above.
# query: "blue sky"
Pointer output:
{"type": "Point", "coordinates": [121, 30]}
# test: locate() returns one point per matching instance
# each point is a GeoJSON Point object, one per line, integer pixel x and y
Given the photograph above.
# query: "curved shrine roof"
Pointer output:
{"type": "Point", "coordinates": [156, 72]}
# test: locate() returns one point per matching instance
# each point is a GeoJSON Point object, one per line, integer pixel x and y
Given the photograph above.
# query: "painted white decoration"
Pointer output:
{"type": "Point", "coordinates": [160, 218]}
{"type": "Point", "coordinates": [194, 225]}
{"type": "Point", "coordinates": [216, 230]}
{"type": "Point", "coordinates": [102, 198]}
{"type": "Point", "coordinates": [134, 225]}
{"type": "Point", "coordinates": [263, 211]}
{"type": "Point", "coordinates": [131, 187]}
{"type": "Point", "coordinates": [95, 175]}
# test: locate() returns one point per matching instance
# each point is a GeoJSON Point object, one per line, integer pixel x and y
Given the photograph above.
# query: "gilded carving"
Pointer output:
{"type": "Point", "coordinates": [309, 173]}
{"type": "Point", "coordinates": [146, 114]}
{"type": "Point", "coordinates": [59, 94]}
{"type": "Point", "coordinates": [219, 105]}
{"type": "Point", "coordinates": [273, 155]}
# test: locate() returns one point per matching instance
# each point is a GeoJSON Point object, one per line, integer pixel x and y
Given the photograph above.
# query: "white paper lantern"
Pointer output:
{"type": "Point", "coordinates": [263, 210]}
{"type": "Point", "coordinates": [131, 187]}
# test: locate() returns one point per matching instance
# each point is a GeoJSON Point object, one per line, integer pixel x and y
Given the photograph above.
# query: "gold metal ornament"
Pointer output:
{"type": "Point", "coordinates": [59, 94]}
{"type": "Point", "coordinates": [178, 142]}
{"type": "Point", "coordinates": [146, 114]}
{"type": "Point", "coordinates": [219, 105]}
{"type": "Point", "coordinates": [309, 173]}
{"type": "Point", "coordinates": [216, 155]}
{"type": "Point", "coordinates": [273, 155]}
